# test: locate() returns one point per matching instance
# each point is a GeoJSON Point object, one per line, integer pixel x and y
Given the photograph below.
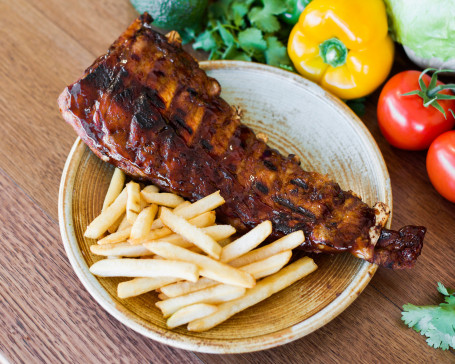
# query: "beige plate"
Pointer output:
{"type": "Point", "coordinates": [299, 117]}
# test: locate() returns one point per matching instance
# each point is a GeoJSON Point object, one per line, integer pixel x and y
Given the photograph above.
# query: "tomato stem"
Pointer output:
{"type": "Point", "coordinates": [450, 86]}
{"type": "Point", "coordinates": [431, 94]}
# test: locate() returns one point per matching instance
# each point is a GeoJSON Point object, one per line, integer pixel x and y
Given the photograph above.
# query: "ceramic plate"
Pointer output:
{"type": "Point", "coordinates": [298, 117]}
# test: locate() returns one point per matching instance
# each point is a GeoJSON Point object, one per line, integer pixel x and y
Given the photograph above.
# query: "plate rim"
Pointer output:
{"type": "Point", "coordinates": [218, 346]}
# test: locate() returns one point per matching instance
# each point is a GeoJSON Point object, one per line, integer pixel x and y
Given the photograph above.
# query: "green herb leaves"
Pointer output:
{"type": "Point", "coordinates": [264, 18]}
{"type": "Point", "coordinates": [249, 30]}
{"type": "Point", "coordinates": [437, 323]}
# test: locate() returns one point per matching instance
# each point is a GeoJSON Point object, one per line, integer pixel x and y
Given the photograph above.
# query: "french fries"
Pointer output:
{"type": "Point", "coordinates": [201, 273]}
{"type": "Point", "coordinates": [150, 189]}
{"type": "Point", "coordinates": [181, 206]}
{"type": "Point", "coordinates": [163, 199]}
{"type": "Point", "coordinates": [190, 313]}
{"type": "Point", "coordinates": [217, 294]}
{"type": "Point", "coordinates": [257, 269]}
{"type": "Point", "coordinates": [145, 268]}
{"type": "Point", "coordinates": [201, 206]}
{"type": "Point", "coordinates": [143, 223]}
{"type": "Point", "coordinates": [247, 242]}
{"type": "Point", "coordinates": [184, 287]}
{"type": "Point", "coordinates": [208, 267]}
{"type": "Point", "coordinates": [217, 232]}
{"type": "Point", "coordinates": [267, 266]}
{"type": "Point", "coordinates": [101, 223]}
{"type": "Point", "coordinates": [191, 233]}
{"type": "Point", "coordinates": [120, 249]}
{"type": "Point", "coordinates": [203, 220]}
{"type": "Point", "coordinates": [114, 227]}
{"type": "Point", "coordinates": [287, 242]}
{"type": "Point", "coordinates": [116, 237]}
{"type": "Point", "coordinates": [137, 286]}
{"type": "Point", "coordinates": [205, 204]}
{"type": "Point", "coordinates": [124, 223]}
{"type": "Point", "coordinates": [115, 187]}
{"type": "Point", "coordinates": [133, 204]}
{"type": "Point", "coordinates": [264, 289]}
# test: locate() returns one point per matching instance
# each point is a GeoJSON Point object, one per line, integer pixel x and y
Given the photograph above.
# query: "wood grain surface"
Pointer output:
{"type": "Point", "coordinates": [46, 316]}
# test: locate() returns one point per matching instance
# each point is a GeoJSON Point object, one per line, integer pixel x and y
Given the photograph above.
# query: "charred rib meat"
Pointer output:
{"type": "Point", "coordinates": [148, 108]}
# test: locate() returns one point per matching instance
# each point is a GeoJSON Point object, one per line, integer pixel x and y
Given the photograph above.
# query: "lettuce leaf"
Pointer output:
{"type": "Point", "coordinates": [425, 26]}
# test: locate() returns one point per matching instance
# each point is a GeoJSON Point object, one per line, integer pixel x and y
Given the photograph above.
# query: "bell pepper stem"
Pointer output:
{"type": "Point", "coordinates": [333, 52]}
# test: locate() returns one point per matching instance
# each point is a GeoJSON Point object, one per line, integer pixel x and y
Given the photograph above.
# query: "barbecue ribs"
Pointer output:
{"type": "Point", "coordinates": [148, 108]}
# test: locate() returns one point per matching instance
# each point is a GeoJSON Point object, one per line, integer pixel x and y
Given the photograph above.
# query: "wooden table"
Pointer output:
{"type": "Point", "coordinates": [46, 315]}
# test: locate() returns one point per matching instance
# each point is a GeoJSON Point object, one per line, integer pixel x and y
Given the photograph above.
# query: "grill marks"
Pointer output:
{"type": "Point", "coordinates": [179, 121]}
{"type": "Point", "coordinates": [300, 183]}
{"type": "Point", "coordinates": [99, 78]}
{"type": "Point", "coordinates": [270, 166]}
{"type": "Point", "coordinates": [298, 209]}
{"type": "Point", "coordinates": [262, 188]}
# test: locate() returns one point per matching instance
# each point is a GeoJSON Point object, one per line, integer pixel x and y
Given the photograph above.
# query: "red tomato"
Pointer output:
{"type": "Point", "coordinates": [441, 164]}
{"type": "Point", "coordinates": [404, 121]}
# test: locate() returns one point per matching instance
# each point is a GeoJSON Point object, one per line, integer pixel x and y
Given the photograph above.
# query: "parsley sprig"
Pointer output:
{"type": "Point", "coordinates": [248, 30]}
{"type": "Point", "coordinates": [437, 323]}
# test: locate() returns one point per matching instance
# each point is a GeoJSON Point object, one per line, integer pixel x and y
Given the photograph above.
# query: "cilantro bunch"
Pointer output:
{"type": "Point", "coordinates": [247, 30]}
{"type": "Point", "coordinates": [437, 323]}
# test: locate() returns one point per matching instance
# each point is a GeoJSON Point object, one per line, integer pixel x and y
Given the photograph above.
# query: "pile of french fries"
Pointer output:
{"type": "Point", "coordinates": [170, 245]}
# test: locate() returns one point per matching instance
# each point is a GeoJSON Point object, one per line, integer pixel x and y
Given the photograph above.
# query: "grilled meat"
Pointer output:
{"type": "Point", "coordinates": [148, 108]}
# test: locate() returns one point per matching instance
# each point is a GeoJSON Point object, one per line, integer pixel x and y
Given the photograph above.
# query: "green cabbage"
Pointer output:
{"type": "Point", "coordinates": [425, 26]}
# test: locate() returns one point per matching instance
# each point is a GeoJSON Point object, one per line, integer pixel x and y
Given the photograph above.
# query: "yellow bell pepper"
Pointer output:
{"type": "Point", "coordinates": [343, 45]}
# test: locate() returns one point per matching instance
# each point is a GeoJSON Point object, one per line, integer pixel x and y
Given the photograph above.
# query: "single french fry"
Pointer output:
{"type": "Point", "coordinates": [200, 221]}
{"type": "Point", "coordinates": [162, 199]}
{"type": "Point", "coordinates": [287, 242]}
{"type": "Point", "coordinates": [141, 227]}
{"type": "Point", "coordinates": [184, 287]}
{"type": "Point", "coordinates": [219, 232]}
{"type": "Point", "coordinates": [205, 204]}
{"type": "Point", "coordinates": [115, 187]}
{"type": "Point", "coordinates": [145, 268]}
{"type": "Point", "coordinates": [138, 286]}
{"type": "Point", "coordinates": [114, 227]}
{"type": "Point", "coordinates": [150, 189]}
{"type": "Point", "coordinates": [190, 313]}
{"type": "Point", "coordinates": [246, 242]}
{"type": "Point", "coordinates": [191, 233]}
{"type": "Point", "coordinates": [102, 222]}
{"type": "Point", "coordinates": [181, 206]}
{"type": "Point", "coordinates": [116, 237]}
{"type": "Point", "coordinates": [124, 224]}
{"type": "Point", "coordinates": [208, 267]}
{"type": "Point", "coordinates": [119, 249]}
{"type": "Point", "coordinates": [272, 264]}
{"type": "Point", "coordinates": [214, 295]}
{"type": "Point", "coordinates": [263, 289]}
{"type": "Point", "coordinates": [133, 204]}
